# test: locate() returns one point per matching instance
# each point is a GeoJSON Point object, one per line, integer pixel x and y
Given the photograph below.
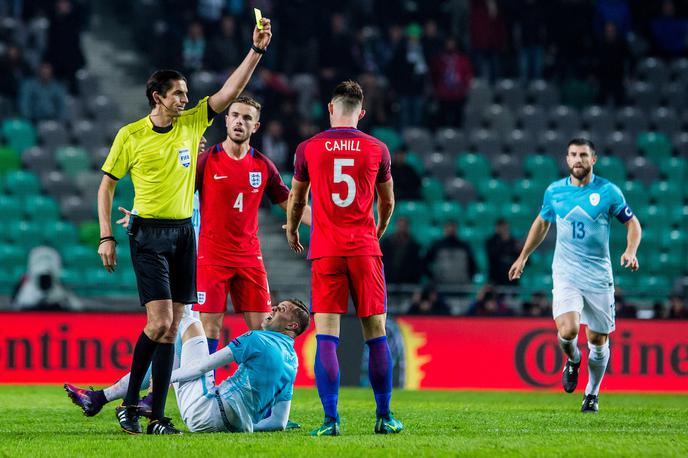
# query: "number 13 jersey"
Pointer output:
{"type": "Point", "coordinates": [343, 166]}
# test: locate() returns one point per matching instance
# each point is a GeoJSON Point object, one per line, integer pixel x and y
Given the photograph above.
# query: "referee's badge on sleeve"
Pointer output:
{"type": "Point", "coordinates": [185, 157]}
{"type": "Point", "coordinates": [201, 297]}
{"type": "Point", "coordinates": [255, 179]}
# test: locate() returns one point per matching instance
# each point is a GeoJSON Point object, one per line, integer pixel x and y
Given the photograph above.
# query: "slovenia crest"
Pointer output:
{"type": "Point", "coordinates": [184, 157]}
{"type": "Point", "coordinates": [594, 199]}
{"type": "Point", "coordinates": [255, 179]}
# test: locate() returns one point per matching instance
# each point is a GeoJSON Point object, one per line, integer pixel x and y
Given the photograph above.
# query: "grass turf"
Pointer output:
{"type": "Point", "coordinates": [41, 421]}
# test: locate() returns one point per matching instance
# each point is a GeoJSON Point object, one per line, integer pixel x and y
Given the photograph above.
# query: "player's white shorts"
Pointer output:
{"type": "Point", "coordinates": [596, 308]}
{"type": "Point", "coordinates": [196, 398]}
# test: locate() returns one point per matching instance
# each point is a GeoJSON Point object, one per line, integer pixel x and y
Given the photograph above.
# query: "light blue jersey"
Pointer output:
{"type": "Point", "coordinates": [583, 215]}
{"type": "Point", "coordinates": [267, 370]}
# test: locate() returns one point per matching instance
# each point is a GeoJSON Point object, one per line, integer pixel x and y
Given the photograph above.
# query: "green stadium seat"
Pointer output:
{"type": "Point", "coordinates": [674, 169]}
{"type": "Point", "coordinates": [666, 193]}
{"type": "Point", "coordinates": [652, 216]}
{"type": "Point", "coordinates": [678, 216]}
{"type": "Point", "coordinates": [674, 239]}
{"type": "Point", "coordinates": [520, 217]}
{"type": "Point", "coordinates": [286, 177]}
{"type": "Point", "coordinates": [612, 168]}
{"type": "Point", "coordinates": [26, 234]}
{"type": "Point", "coordinates": [22, 183]}
{"type": "Point", "coordinates": [9, 160]}
{"type": "Point", "coordinates": [432, 190]}
{"type": "Point", "coordinates": [635, 193]}
{"type": "Point", "coordinates": [654, 145]}
{"type": "Point", "coordinates": [80, 257]}
{"type": "Point", "coordinates": [89, 233]}
{"type": "Point", "coordinates": [13, 256]}
{"type": "Point", "coordinates": [540, 168]}
{"type": "Point", "coordinates": [10, 208]}
{"type": "Point", "coordinates": [474, 167]}
{"type": "Point", "coordinates": [526, 192]}
{"type": "Point", "coordinates": [668, 262]}
{"type": "Point", "coordinates": [494, 191]}
{"type": "Point", "coordinates": [480, 258]}
{"type": "Point", "coordinates": [481, 214]}
{"type": "Point", "coordinates": [626, 280]}
{"type": "Point", "coordinates": [41, 209]}
{"type": "Point", "coordinates": [59, 233]}
{"type": "Point", "coordinates": [658, 284]}
{"type": "Point", "coordinates": [73, 160]}
{"type": "Point", "coordinates": [416, 211]}
{"type": "Point", "coordinates": [389, 137]}
{"type": "Point", "coordinates": [441, 212]}
{"type": "Point", "coordinates": [427, 234]}
{"type": "Point", "coordinates": [415, 162]}
{"type": "Point", "coordinates": [19, 134]}
{"type": "Point", "coordinates": [577, 93]}
{"type": "Point", "coordinates": [473, 235]}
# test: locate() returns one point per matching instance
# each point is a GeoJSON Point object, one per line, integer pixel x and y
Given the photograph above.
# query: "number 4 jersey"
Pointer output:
{"type": "Point", "coordinates": [583, 215]}
{"type": "Point", "coordinates": [230, 193]}
{"type": "Point", "coordinates": [343, 166]}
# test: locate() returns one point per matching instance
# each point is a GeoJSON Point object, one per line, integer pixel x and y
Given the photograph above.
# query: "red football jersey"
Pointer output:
{"type": "Point", "coordinates": [230, 191]}
{"type": "Point", "coordinates": [343, 165]}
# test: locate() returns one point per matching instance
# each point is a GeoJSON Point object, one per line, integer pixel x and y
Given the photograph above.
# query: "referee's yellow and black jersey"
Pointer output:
{"type": "Point", "coordinates": [162, 165]}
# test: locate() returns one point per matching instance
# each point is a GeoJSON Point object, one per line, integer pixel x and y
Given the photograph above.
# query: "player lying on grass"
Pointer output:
{"type": "Point", "coordinates": [257, 397]}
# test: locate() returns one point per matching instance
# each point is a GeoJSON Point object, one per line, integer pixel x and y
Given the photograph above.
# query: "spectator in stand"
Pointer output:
{"type": "Point", "coordinates": [223, 50]}
{"type": "Point", "coordinates": [530, 35]}
{"type": "Point", "coordinates": [274, 144]}
{"type": "Point", "coordinates": [677, 308]}
{"type": "Point", "coordinates": [537, 306]}
{"type": "Point", "coordinates": [450, 259]}
{"type": "Point", "coordinates": [407, 182]}
{"type": "Point", "coordinates": [670, 33]}
{"type": "Point", "coordinates": [623, 308]}
{"type": "Point", "coordinates": [407, 73]}
{"type": "Point", "coordinates": [489, 303]}
{"type": "Point", "coordinates": [488, 38]}
{"type": "Point", "coordinates": [13, 70]}
{"type": "Point", "coordinates": [42, 97]}
{"type": "Point", "coordinates": [452, 74]}
{"type": "Point", "coordinates": [368, 52]}
{"type": "Point", "coordinates": [401, 254]}
{"type": "Point", "coordinates": [64, 42]}
{"type": "Point", "coordinates": [193, 48]}
{"type": "Point", "coordinates": [571, 36]}
{"type": "Point", "coordinates": [375, 102]}
{"type": "Point", "coordinates": [432, 41]}
{"type": "Point", "coordinates": [336, 59]}
{"type": "Point", "coordinates": [428, 302]}
{"type": "Point", "coordinates": [611, 65]}
{"type": "Point", "coordinates": [501, 249]}
{"type": "Point", "coordinates": [615, 11]}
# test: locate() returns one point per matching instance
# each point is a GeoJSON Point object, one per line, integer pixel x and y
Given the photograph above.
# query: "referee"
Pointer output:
{"type": "Point", "coordinates": [160, 153]}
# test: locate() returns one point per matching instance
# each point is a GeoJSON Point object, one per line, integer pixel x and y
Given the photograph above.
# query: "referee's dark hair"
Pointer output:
{"type": "Point", "coordinates": [161, 82]}
{"type": "Point", "coordinates": [301, 315]}
{"type": "Point", "coordinates": [580, 141]}
{"type": "Point", "coordinates": [350, 94]}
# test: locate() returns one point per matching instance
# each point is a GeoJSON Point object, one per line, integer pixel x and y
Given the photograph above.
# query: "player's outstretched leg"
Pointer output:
{"type": "Point", "coordinates": [380, 372]}
{"type": "Point", "coordinates": [598, 358]}
{"type": "Point", "coordinates": [90, 401]}
{"type": "Point", "coordinates": [327, 381]}
{"type": "Point", "coordinates": [569, 378]}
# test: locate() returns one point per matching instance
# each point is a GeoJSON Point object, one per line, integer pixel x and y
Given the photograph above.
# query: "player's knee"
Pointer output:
{"type": "Point", "coordinates": [158, 329]}
{"type": "Point", "coordinates": [568, 332]}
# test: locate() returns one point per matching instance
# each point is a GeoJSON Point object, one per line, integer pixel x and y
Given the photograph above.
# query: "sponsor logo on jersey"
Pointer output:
{"type": "Point", "coordinates": [201, 297]}
{"type": "Point", "coordinates": [594, 199]}
{"type": "Point", "coordinates": [255, 179]}
{"type": "Point", "coordinates": [185, 157]}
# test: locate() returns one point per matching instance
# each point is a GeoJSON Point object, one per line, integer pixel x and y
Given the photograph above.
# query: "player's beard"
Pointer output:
{"type": "Point", "coordinates": [580, 173]}
{"type": "Point", "coordinates": [239, 139]}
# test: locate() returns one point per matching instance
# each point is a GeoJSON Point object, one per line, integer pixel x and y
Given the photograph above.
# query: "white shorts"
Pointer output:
{"type": "Point", "coordinates": [196, 398]}
{"type": "Point", "coordinates": [596, 308]}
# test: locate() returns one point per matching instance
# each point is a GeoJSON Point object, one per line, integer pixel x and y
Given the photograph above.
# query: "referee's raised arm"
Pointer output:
{"type": "Point", "coordinates": [237, 81]}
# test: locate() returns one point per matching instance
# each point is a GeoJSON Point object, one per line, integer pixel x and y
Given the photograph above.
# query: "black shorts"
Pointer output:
{"type": "Point", "coordinates": [163, 253]}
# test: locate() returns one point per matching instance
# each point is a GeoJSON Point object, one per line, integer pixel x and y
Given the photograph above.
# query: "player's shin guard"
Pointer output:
{"type": "Point", "coordinates": [327, 373]}
{"type": "Point", "coordinates": [380, 369]}
{"type": "Point", "coordinates": [570, 348]}
{"type": "Point", "coordinates": [598, 359]}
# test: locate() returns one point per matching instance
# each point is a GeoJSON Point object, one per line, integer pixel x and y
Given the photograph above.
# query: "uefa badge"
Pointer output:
{"type": "Point", "coordinates": [201, 297]}
{"type": "Point", "coordinates": [255, 179]}
{"type": "Point", "coordinates": [594, 199]}
{"type": "Point", "coordinates": [185, 157]}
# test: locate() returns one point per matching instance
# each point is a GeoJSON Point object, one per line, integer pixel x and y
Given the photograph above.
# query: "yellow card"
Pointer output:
{"type": "Point", "coordinates": [259, 16]}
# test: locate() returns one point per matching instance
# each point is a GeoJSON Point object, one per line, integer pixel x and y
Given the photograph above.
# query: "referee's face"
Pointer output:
{"type": "Point", "coordinates": [176, 98]}
{"type": "Point", "coordinates": [242, 122]}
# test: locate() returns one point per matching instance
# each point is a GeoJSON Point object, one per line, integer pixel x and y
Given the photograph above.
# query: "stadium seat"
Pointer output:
{"type": "Point", "coordinates": [11, 208]}
{"type": "Point", "coordinates": [526, 192]}
{"type": "Point", "coordinates": [12, 256]}
{"type": "Point", "coordinates": [26, 234]}
{"type": "Point", "coordinates": [645, 96]}
{"type": "Point", "coordinates": [674, 95]}
{"type": "Point", "coordinates": [674, 170]}
{"type": "Point", "coordinates": [440, 165]}
{"type": "Point", "coordinates": [427, 234]}
{"type": "Point", "coordinates": [19, 134]}
{"type": "Point", "coordinates": [642, 169]}
{"type": "Point", "coordinates": [432, 190]}
{"type": "Point", "coordinates": [636, 193]}
{"type": "Point", "coordinates": [540, 168]}
{"type": "Point", "coordinates": [77, 209]}
{"type": "Point", "coordinates": [485, 141]}
{"type": "Point", "coordinates": [520, 217]}
{"type": "Point", "coordinates": [654, 145]}
{"type": "Point", "coordinates": [678, 215]}
{"type": "Point", "coordinates": [414, 210]}
{"type": "Point", "coordinates": [619, 144]}
{"type": "Point", "coordinates": [500, 119]}
{"type": "Point", "coordinates": [58, 184]}
{"type": "Point", "coordinates": [507, 167]}
{"type": "Point", "coordinates": [481, 214]}
{"type": "Point", "coordinates": [652, 215]}
{"type": "Point", "coordinates": [532, 118]}
{"type": "Point", "coordinates": [41, 209]}
{"type": "Point", "coordinates": [597, 118]}
{"type": "Point", "coordinates": [88, 135]}
{"type": "Point", "coordinates": [666, 193]}
{"type": "Point", "coordinates": [52, 134]}
{"type": "Point", "coordinates": [446, 211]}
{"type": "Point", "coordinates": [565, 119]}
{"type": "Point", "coordinates": [418, 139]}
{"type": "Point", "coordinates": [473, 167]}
{"type": "Point", "coordinates": [543, 94]}
{"type": "Point", "coordinates": [674, 239]}
{"type": "Point", "coordinates": [388, 136]}
{"type": "Point", "coordinates": [103, 108]}
{"type": "Point", "coordinates": [22, 183]}
{"type": "Point", "coordinates": [577, 93]}
{"type": "Point", "coordinates": [510, 93]}
{"type": "Point", "coordinates": [494, 191]}
{"type": "Point", "coordinates": [415, 162]}
{"type": "Point", "coordinates": [653, 70]}
{"type": "Point", "coordinates": [80, 257]}
{"type": "Point", "coordinates": [665, 120]}
{"type": "Point", "coordinates": [479, 94]}
{"type": "Point", "coordinates": [72, 160]}
{"type": "Point", "coordinates": [520, 143]}
{"type": "Point", "coordinates": [88, 182]}
{"type": "Point", "coordinates": [631, 120]}
{"type": "Point", "coordinates": [9, 160]}
{"type": "Point", "coordinates": [612, 168]}
{"type": "Point", "coordinates": [86, 83]}
{"type": "Point", "coordinates": [39, 160]}
{"type": "Point", "coordinates": [450, 140]}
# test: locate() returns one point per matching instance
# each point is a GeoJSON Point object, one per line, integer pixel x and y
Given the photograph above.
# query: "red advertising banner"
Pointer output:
{"type": "Point", "coordinates": [466, 353]}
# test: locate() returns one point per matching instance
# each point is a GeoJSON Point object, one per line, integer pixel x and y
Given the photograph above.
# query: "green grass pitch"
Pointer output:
{"type": "Point", "coordinates": [38, 421]}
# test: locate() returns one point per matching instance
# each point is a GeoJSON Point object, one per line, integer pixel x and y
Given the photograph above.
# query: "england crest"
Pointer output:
{"type": "Point", "coordinates": [594, 199]}
{"type": "Point", "coordinates": [201, 297]}
{"type": "Point", "coordinates": [255, 179]}
{"type": "Point", "coordinates": [185, 157]}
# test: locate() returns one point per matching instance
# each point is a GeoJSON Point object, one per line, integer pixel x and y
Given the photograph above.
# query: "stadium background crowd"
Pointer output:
{"type": "Point", "coordinates": [476, 99]}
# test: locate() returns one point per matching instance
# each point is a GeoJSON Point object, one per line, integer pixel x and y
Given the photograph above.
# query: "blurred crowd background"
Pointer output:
{"type": "Point", "coordinates": [476, 100]}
